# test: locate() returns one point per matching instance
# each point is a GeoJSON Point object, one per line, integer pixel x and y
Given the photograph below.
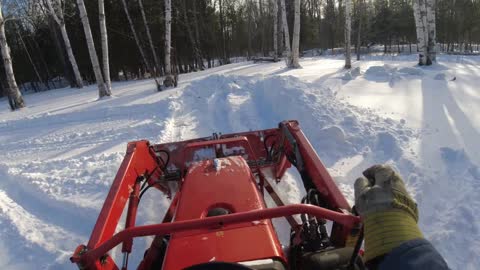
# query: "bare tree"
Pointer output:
{"type": "Point", "coordinates": [250, 24]}
{"type": "Point", "coordinates": [432, 33]}
{"type": "Point", "coordinates": [222, 30]}
{"type": "Point", "coordinates": [275, 29]}
{"type": "Point", "coordinates": [348, 30]}
{"type": "Point", "coordinates": [361, 14]}
{"type": "Point", "coordinates": [137, 42]}
{"type": "Point", "coordinates": [14, 94]}
{"type": "Point", "coordinates": [104, 40]}
{"type": "Point", "coordinates": [149, 36]}
{"type": "Point", "coordinates": [196, 50]}
{"type": "Point", "coordinates": [285, 30]}
{"type": "Point", "coordinates": [22, 42]}
{"type": "Point", "coordinates": [197, 34]}
{"type": "Point", "coordinates": [169, 79]}
{"type": "Point", "coordinates": [294, 57]}
{"type": "Point", "coordinates": [58, 15]}
{"type": "Point", "coordinates": [102, 90]}
{"type": "Point", "coordinates": [420, 15]}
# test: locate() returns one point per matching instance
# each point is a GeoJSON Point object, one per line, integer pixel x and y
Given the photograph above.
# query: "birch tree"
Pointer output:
{"type": "Point", "coordinates": [432, 33]}
{"type": "Point", "coordinates": [104, 40]}
{"type": "Point", "coordinates": [275, 30]}
{"type": "Point", "coordinates": [285, 30]}
{"type": "Point", "coordinates": [424, 14]}
{"type": "Point", "coordinates": [169, 80]}
{"type": "Point", "coordinates": [294, 56]}
{"type": "Point", "coordinates": [348, 29]}
{"type": "Point", "coordinates": [102, 89]}
{"type": "Point", "coordinates": [58, 16]}
{"type": "Point", "coordinates": [361, 14]}
{"type": "Point", "coordinates": [14, 94]}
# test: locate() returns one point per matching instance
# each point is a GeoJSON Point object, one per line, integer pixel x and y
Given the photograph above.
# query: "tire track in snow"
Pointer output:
{"type": "Point", "coordinates": [37, 202]}
{"type": "Point", "coordinates": [36, 233]}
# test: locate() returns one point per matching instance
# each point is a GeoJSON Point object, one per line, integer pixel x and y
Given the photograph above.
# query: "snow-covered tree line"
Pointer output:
{"type": "Point", "coordinates": [77, 42]}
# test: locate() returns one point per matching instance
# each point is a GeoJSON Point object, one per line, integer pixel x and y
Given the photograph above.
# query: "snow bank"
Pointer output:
{"type": "Point", "coordinates": [387, 73]}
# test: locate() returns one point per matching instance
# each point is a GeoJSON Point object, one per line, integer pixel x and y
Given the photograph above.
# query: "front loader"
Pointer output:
{"type": "Point", "coordinates": [218, 218]}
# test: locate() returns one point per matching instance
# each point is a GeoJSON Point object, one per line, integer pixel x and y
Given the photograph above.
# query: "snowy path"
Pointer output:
{"type": "Point", "coordinates": [61, 153]}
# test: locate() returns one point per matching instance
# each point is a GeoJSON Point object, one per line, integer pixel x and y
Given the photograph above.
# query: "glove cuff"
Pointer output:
{"type": "Point", "coordinates": [386, 230]}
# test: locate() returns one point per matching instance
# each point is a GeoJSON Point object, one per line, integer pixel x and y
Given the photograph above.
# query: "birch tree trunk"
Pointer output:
{"type": "Point", "coordinates": [102, 90]}
{"type": "Point", "coordinates": [275, 29]}
{"type": "Point", "coordinates": [419, 12]}
{"type": "Point", "coordinates": [432, 33]}
{"type": "Point", "coordinates": [361, 12]}
{"type": "Point", "coordinates": [169, 80]}
{"type": "Point", "coordinates": [149, 36]}
{"type": "Point", "coordinates": [104, 40]}
{"type": "Point", "coordinates": [348, 29]}
{"type": "Point", "coordinates": [14, 94]}
{"type": "Point", "coordinates": [60, 20]}
{"type": "Point", "coordinates": [296, 38]}
{"type": "Point", "coordinates": [285, 30]}
{"type": "Point", "coordinates": [423, 15]}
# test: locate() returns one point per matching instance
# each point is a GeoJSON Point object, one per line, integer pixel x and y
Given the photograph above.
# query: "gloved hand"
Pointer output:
{"type": "Point", "coordinates": [388, 212]}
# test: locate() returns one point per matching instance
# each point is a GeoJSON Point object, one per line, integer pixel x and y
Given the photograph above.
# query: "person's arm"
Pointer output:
{"type": "Point", "coordinates": [393, 239]}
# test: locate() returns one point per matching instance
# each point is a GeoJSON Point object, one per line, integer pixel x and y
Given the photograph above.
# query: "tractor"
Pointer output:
{"type": "Point", "coordinates": [218, 217]}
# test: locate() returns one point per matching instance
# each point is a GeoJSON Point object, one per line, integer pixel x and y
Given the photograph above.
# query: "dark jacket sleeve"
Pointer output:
{"type": "Point", "coordinates": [414, 254]}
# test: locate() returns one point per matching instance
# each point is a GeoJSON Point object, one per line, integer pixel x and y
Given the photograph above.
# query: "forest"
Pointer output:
{"type": "Point", "coordinates": [49, 45]}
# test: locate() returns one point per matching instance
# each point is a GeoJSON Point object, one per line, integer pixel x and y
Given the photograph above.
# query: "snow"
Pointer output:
{"type": "Point", "coordinates": [61, 153]}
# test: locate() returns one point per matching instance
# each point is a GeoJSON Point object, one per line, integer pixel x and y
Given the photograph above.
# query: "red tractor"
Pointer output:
{"type": "Point", "coordinates": [218, 218]}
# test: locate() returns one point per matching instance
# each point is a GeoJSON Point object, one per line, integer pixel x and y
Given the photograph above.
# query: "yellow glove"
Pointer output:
{"type": "Point", "coordinates": [388, 212]}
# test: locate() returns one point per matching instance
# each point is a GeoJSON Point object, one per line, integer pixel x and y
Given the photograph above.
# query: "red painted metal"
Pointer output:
{"type": "Point", "coordinates": [131, 215]}
{"type": "Point", "coordinates": [184, 220]}
{"type": "Point", "coordinates": [322, 180]}
{"type": "Point", "coordinates": [228, 242]}
{"type": "Point", "coordinates": [215, 222]}
{"type": "Point", "coordinates": [137, 161]}
{"type": "Point", "coordinates": [319, 174]}
{"type": "Point", "coordinates": [197, 197]}
{"type": "Point", "coordinates": [179, 158]}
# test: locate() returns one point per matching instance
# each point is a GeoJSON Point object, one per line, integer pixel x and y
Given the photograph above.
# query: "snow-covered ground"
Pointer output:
{"type": "Point", "coordinates": [60, 154]}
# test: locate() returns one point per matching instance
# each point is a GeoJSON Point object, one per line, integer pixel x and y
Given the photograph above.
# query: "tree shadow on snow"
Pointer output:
{"type": "Point", "coordinates": [439, 109]}
{"type": "Point", "coordinates": [452, 181]}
